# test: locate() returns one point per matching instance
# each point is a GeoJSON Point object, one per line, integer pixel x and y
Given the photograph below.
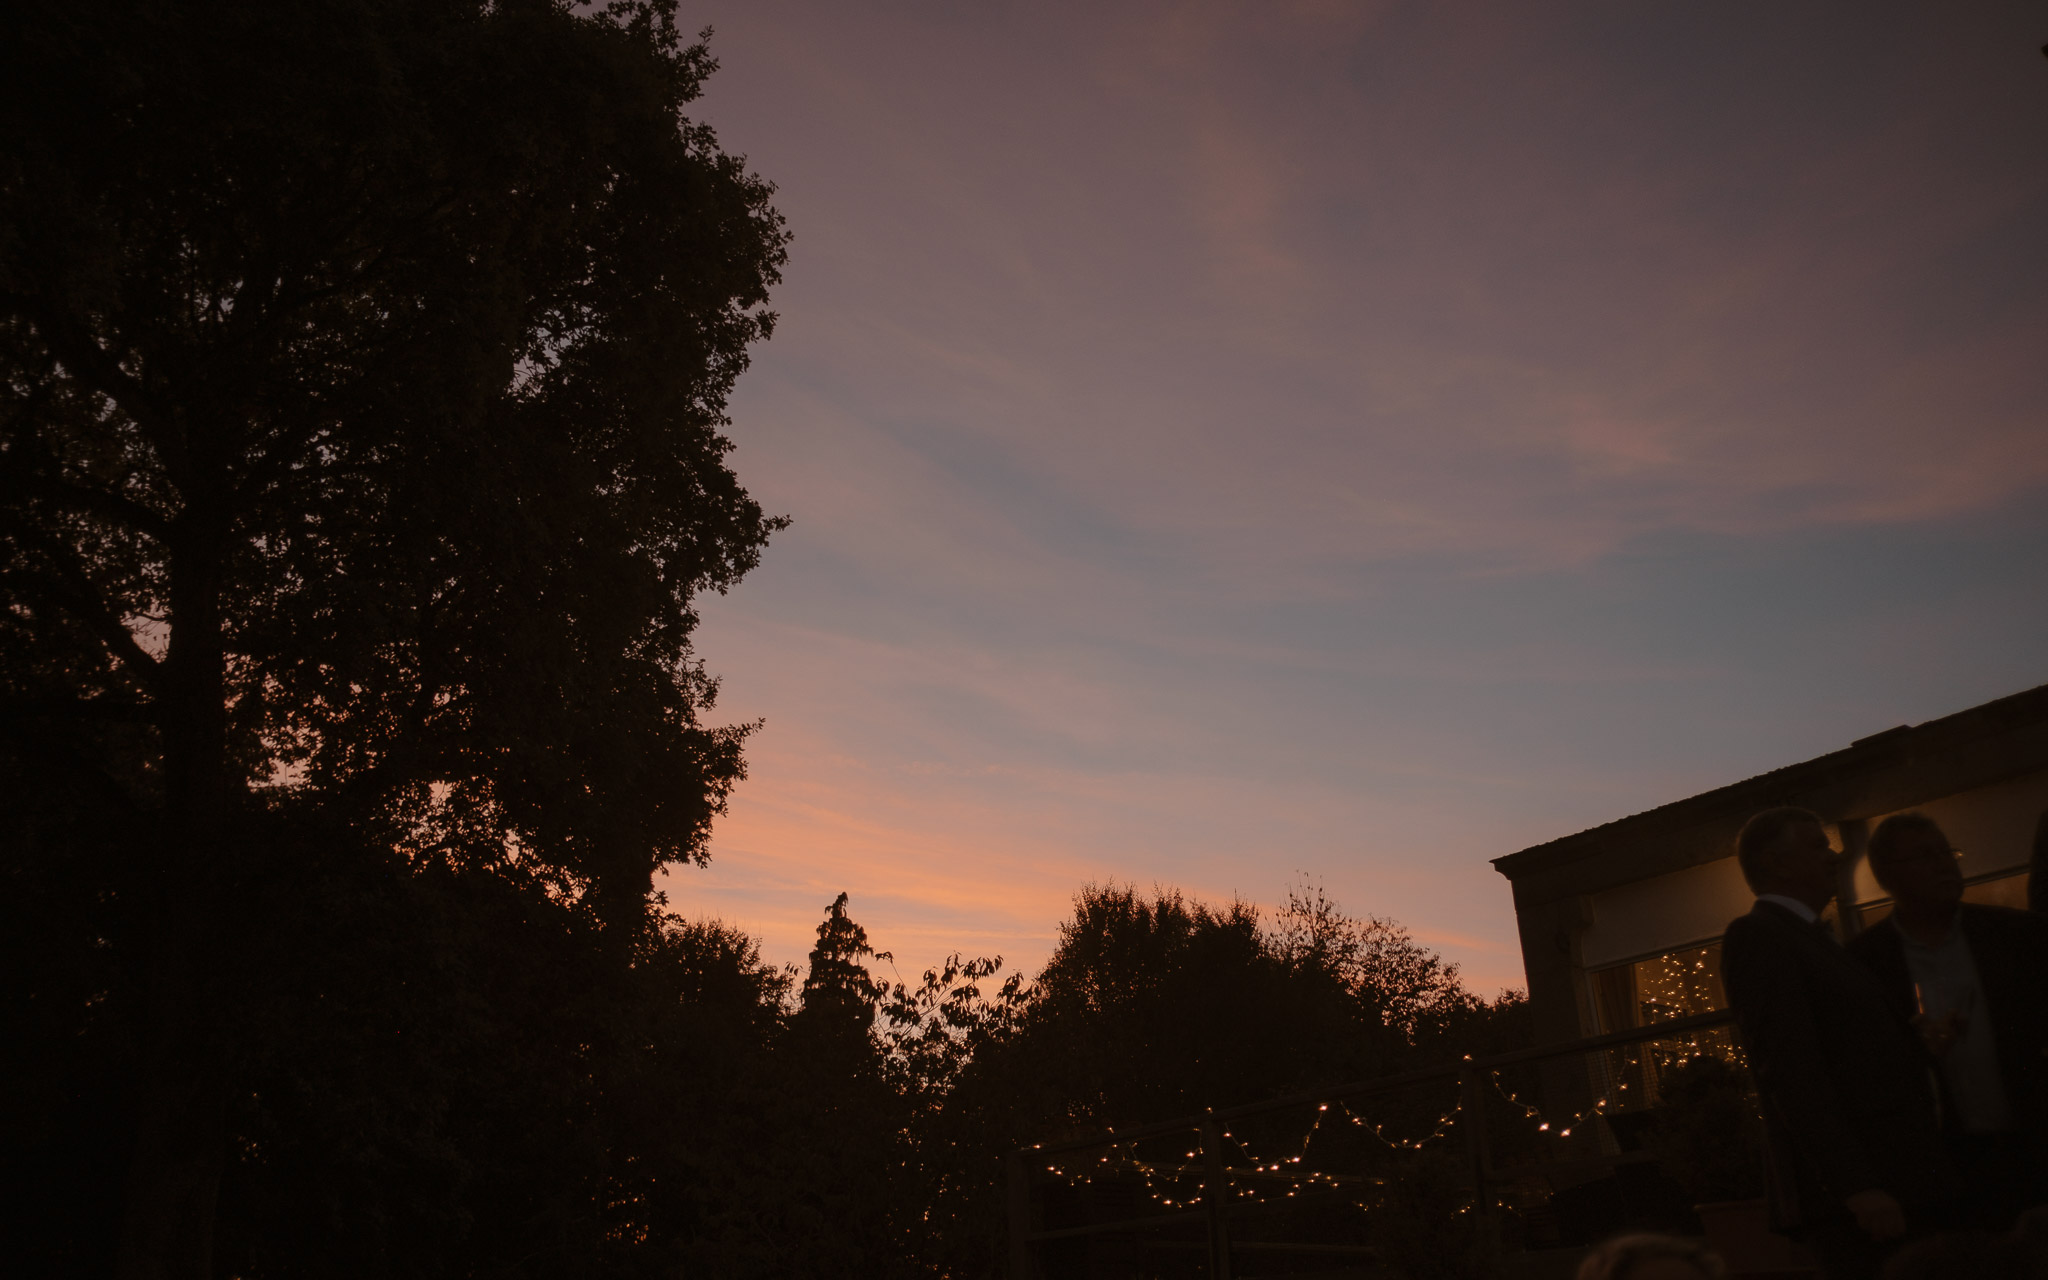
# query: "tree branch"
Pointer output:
{"type": "Point", "coordinates": [16, 710]}
{"type": "Point", "coordinates": [90, 363]}
{"type": "Point", "coordinates": [75, 594]}
{"type": "Point", "coordinates": [48, 481]}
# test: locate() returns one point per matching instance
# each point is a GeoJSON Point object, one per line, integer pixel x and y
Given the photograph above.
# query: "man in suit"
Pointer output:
{"type": "Point", "coordinates": [1974, 979]}
{"type": "Point", "coordinates": [1855, 1158]}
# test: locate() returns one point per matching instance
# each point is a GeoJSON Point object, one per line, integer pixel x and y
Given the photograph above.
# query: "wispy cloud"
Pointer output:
{"type": "Point", "coordinates": [1227, 441]}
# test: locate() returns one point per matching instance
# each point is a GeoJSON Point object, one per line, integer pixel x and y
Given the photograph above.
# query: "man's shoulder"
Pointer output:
{"type": "Point", "coordinates": [1742, 927]}
{"type": "Point", "coordinates": [1763, 931]}
{"type": "Point", "coordinates": [1767, 920]}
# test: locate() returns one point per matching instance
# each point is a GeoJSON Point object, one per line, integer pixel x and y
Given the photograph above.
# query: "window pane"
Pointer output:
{"type": "Point", "coordinates": [1676, 985]}
{"type": "Point", "coordinates": [1680, 984]}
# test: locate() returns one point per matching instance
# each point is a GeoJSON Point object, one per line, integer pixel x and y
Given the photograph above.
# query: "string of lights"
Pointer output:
{"type": "Point", "coordinates": [1256, 1179]}
{"type": "Point", "coordinates": [1544, 1124]}
{"type": "Point", "coordinates": [1263, 1162]}
{"type": "Point", "coordinates": [1647, 1059]}
{"type": "Point", "coordinates": [1248, 1177]}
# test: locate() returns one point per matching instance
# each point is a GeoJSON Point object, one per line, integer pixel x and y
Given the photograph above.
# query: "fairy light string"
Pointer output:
{"type": "Point", "coordinates": [1182, 1178]}
{"type": "Point", "coordinates": [1251, 1177]}
{"type": "Point", "coordinates": [1258, 1179]}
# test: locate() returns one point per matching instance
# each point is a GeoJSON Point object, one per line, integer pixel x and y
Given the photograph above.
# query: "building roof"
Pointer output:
{"type": "Point", "coordinates": [1879, 774]}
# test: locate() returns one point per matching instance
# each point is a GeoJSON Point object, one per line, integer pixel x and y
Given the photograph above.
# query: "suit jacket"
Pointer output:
{"type": "Point", "coordinates": [2011, 951]}
{"type": "Point", "coordinates": [1845, 1084]}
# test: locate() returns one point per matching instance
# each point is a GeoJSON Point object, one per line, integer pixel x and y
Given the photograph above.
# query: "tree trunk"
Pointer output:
{"type": "Point", "coordinates": [174, 1173]}
{"type": "Point", "coordinates": [180, 1139]}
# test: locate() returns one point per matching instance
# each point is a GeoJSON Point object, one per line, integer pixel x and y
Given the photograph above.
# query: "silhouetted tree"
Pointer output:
{"type": "Point", "coordinates": [1156, 1007]}
{"type": "Point", "coordinates": [1400, 985]}
{"type": "Point", "coordinates": [853, 1208]}
{"type": "Point", "coordinates": [362, 368]}
{"type": "Point", "coordinates": [953, 1023]}
{"type": "Point", "coordinates": [840, 995]}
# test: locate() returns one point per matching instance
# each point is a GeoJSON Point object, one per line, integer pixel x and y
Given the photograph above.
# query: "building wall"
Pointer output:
{"type": "Point", "coordinates": [1663, 913]}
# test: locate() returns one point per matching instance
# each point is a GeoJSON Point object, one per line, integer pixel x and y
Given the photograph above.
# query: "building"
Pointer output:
{"type": "Point", "coordinates": [1621, 925]}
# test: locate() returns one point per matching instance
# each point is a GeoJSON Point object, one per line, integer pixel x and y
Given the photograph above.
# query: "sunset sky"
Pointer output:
{"type": "Point", "coordinates": [1234, 443]}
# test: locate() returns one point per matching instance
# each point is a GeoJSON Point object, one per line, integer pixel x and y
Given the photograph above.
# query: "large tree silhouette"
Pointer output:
{"type": "Point", "coordinates": [362, 372]}
{"type": "Point", "coordinates": [1155, 1007]}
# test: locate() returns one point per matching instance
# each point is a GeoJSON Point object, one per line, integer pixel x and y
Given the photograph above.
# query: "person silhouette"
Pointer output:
{"type": "Point", "coordinates": [1854, 1158]}
{"type": "Point", "coordinates": [1974, 980]}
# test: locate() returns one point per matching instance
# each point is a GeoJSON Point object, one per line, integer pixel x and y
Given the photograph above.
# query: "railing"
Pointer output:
{"type": "Point", "coordinates": [1219, 1178]}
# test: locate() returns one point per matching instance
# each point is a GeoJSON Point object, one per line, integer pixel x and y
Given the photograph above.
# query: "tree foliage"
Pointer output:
{"type": "Point", "coordinates": [362, 377]}
{"type": "Point", "coordinates": [1156, 1006]}
{"type": "Point", "coordinates": [1152, 1007]}
{"type": "Point", "coordinates": [370, 357]}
